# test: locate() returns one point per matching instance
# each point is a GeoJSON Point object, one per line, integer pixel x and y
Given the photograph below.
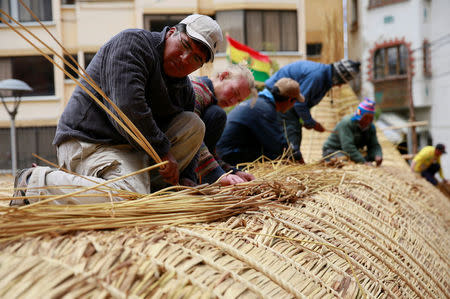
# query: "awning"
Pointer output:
{"type": "Point", "coordinates": [390, 119]}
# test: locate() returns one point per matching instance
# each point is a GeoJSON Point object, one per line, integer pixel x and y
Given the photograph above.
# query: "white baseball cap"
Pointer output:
{"type": "Point", "coordinates": [205, 30]}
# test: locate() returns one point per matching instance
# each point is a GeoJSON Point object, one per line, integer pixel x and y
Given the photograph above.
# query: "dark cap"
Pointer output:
{"type": "Point", "coordinates": [441, 147]}
{"type": "Point", "coordinates": [346, 70]}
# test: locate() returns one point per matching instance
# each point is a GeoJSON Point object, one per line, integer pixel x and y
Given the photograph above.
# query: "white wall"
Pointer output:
{"type": "Point", "coordinates": [440, 83]}
{"type": "Point", "coordinates": [98, 22]}
{"type": "Point", "coordinates": [408, 24]}
{"type": "Point", "coordinates": [415, 20]}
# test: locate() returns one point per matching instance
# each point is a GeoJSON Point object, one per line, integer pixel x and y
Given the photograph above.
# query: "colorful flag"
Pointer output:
{"type": "Point", "coordinates": [258, 63]}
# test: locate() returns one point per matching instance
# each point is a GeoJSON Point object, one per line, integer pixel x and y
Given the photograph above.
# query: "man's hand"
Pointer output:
{"type": "Point", "coordinates": [187, 182]}
{"type": "Point", "coordinates": [245, 176]}
{"type": "Point", "coordinates": [318, 127]}
{"type": "Point", "coordinates": [230, 179]}
{"type": "Point", "coordinates": [378, 160]}
{"type": "Point", "coordinates": [170, 171]}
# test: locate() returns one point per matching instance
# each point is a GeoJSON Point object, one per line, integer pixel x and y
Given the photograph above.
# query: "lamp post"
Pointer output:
{"type": "Point", "coordinates": [18, 88]}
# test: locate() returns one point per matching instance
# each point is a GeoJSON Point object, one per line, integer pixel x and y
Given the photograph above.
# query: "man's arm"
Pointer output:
{"type": "Point", "coordinates": [126, 70]}
{"type": "Point", "coordinates": [208, 170]}
{"type": "Point", "coordinates": [303, 112]}
{"type": "Point", "coordinates": [374, 150]}
{"type": "Point", "coordinates": [313, 87]}
{"type": "Point", "coordinates": [127, 66]}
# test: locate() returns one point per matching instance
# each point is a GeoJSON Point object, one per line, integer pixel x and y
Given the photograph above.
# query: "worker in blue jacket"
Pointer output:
{"type": "Point", "coordinates": [253, 128]}
{"type": "Point", "coordinates": [315, 80]}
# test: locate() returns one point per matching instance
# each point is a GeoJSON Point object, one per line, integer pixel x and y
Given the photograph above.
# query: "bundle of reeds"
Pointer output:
{"type": "Point", "coordinates": [205, 203]}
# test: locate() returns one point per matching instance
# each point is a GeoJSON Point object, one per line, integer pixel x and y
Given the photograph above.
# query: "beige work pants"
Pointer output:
{"type": "Point", "coordinates": [99, 163]}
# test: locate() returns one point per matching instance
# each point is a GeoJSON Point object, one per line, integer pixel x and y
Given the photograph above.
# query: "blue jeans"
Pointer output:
{"type": "Point", "coordinates": [292, 128]}
{"type": "Point", "coordinates": [430, 172]}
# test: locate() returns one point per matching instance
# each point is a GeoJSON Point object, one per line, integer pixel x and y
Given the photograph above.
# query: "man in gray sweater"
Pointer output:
{"type": "Point", "coordinates": [145, 74]}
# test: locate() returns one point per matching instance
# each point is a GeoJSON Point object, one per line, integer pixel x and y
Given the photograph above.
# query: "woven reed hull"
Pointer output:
{"type": "Point", "coordinates": [392, 231]}
{"type": "Point", "coordinates": [380, 232]}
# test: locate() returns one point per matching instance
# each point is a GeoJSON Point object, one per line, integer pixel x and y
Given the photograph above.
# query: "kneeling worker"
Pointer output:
{"type": "Point", "coordinates": [225, 89]}
{"type": "Point", "coordinates": [145, 74]}
{"type": "Point", "coordinates": [354, 132]}
{"type": "Point", "coordinates": [254, 130]}
{"type": "Point", "coordinates": [428, 161]}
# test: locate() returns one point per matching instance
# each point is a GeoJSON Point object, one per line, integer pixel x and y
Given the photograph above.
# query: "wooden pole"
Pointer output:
{"type": "Point", "coordinates": [301, 23]}
{"type": "Point", "coordinates": [407, 125]}
{"type": "Point", "coordinates": [412, 117]}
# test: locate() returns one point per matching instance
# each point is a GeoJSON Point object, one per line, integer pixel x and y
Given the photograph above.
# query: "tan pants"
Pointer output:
{"type": "Point", "coordinates": [99, 163]}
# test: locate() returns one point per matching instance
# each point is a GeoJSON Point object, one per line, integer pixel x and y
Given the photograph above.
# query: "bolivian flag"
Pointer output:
{"type": "Point", "coordinates": [258, 63]}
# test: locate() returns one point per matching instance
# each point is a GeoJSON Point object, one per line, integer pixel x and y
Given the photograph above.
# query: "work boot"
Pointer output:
{"type": "Point", "coordinates": [20, 185]}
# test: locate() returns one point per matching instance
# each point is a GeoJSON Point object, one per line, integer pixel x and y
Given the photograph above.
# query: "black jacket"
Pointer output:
{"type": "Point", "coordinates": [253, 130]}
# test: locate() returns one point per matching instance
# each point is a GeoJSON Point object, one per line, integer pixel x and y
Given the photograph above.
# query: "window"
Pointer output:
{"type": "Point", "coordinates": [260, 29]}
{"type": "Point", "coordinates": [30, 140]}
{"type": "Point", "coordinates": [68, 69]}
{"type": "Point", "coordinates": [390, 67]}
{"type": "Point", "coordinates": [378, 3]}
{"type": "Point", "coordinates": [158, 22]}
{"type": "Point", "coordinates": [390, 62]}
{"type": "Point", "coordinates": [313, 49]}
{"type": "Point", "coordinates": [41, 8]}
{"type": "Point", "coordinates": [4, 5]}
{"type": "Point", "coordinates": [36, 71]}
{"type": "Point", "coordinates": [88, 56]}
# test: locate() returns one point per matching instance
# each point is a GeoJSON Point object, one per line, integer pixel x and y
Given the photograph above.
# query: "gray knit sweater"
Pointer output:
{"type": "Point", "coordinates": [129, 69]}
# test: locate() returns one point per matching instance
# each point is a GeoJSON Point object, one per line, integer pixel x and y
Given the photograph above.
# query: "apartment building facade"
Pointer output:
{"type": "Point", "coordinates": [277, 28]}
{"type": "Point", "coordinates": [404, 47]}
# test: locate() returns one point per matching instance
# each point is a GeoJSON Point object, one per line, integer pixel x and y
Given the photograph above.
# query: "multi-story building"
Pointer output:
{"type": "Point", "coordinates": [284, 29]}
{"type": "Point", "coordinates": [404, 46]}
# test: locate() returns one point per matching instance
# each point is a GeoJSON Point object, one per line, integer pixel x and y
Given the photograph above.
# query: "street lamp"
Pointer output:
{"type": "Point", "coordinates": [18, 88]}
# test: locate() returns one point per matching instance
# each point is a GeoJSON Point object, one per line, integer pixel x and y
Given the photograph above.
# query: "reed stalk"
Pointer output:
{"type": "Point", "coordinates": [281, 183]}
{"type": "Point", "coordinates": [130, 128]}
